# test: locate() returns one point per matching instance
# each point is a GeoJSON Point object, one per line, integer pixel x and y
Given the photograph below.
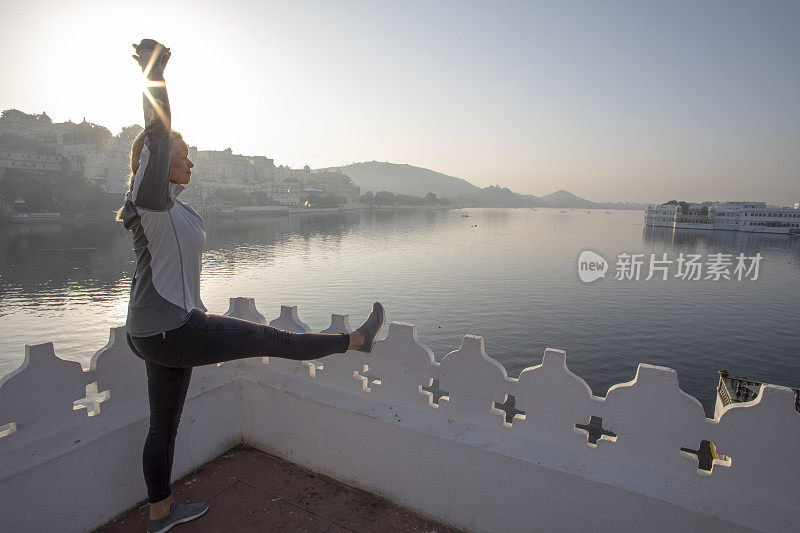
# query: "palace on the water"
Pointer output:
{"type": "Point", "coordinates": [757, 217]}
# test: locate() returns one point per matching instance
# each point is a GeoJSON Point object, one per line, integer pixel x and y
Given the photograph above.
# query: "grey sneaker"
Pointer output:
{"type": "Point", "coordinates": [178, 513]}
{"type": "Point", "coordinates": [372, 326]}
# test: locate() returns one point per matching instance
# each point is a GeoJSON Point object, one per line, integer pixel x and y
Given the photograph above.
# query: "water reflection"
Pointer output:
{"type": "Point", "coordinates": [43, 264]}
{"type": "Point", "coordinates": [705, 242]}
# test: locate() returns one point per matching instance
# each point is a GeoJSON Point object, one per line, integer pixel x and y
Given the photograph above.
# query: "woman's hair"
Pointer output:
{"type": "Point", "coordinates": [136, 155]}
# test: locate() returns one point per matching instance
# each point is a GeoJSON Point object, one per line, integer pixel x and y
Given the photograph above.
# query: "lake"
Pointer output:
{"type": "Point", "coordinates": [509, 275]}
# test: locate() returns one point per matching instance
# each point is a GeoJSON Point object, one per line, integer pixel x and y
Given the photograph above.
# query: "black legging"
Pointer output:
{"type": "Point", "coordinates": [205, 339]}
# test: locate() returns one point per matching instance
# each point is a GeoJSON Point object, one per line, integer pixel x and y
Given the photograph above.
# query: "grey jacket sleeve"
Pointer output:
{"type": "Point", "coordinates": [151, 182]}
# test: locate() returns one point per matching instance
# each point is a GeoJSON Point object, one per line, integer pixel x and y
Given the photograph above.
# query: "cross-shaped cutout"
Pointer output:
{"type": "Point", "coordinates": [314, 366]}
{"type": "Point", "coordinates": [707, 457]}
{"type": "Point", "coordinates": [92, 400]}
{"type": "Point", "coordinates": [7, 429]}
{"type": "Point", "coordinates": [509, 408]}
{"type": "Point", "coordinates": [594, 431]}
{"type": "Point", "coordinates": [434, 393]}
{"type": "Point", "coordinates": [367, 379]}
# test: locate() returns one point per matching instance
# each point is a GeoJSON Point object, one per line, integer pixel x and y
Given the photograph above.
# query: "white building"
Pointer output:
{"type": "Point", "coordinates": [755, 217]}
{"type": "Point", "coordinates": [660, 215]}
{"type": "Point", "coordinates": [104, 159]}
{"type": "Point", "coordinates": [107, 164]}
{"type": "Point", "coordinates": [218, 169]}
{"type": "Point", "coordinates": [330, 183]}
{"type": "Point", "coordinates": [38, 162]}
{"type": "Point", "coordinates": [16, 122]}
{"type": "Point", "coordinates": [335, 184]}
{"type": "Point", "coordinates": [85, 148]}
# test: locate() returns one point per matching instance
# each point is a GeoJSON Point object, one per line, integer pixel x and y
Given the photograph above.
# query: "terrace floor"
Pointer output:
{"type": "Point", "coordinates": [249, 490]}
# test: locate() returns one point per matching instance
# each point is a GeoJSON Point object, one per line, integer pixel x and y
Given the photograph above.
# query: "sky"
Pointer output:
{"type": "Point", "coordinates": [612, 101]}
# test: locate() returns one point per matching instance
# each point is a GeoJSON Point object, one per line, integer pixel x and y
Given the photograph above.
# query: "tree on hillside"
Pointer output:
{"type": "Point", "coordinates": [430, 199]}
{"type": "Point", "coordinates": [17, 114]}
{"type": "Point", "coordinates": [332, 200]}
{"type": "Point", "coordinates": [89, 133]}
{"type": "Point", "coordinates": [232, 196]}
{"type": "Point", "coordinates": [39, 194]}
{"type": "Point", "coordinates": [261, 198]}
{"type": "Point", "coordinates": [129, 133]}
{"type": "Point", "coordinates": [407, 199]}
{"type": "Point", "coordinates": [69, 193]}
{"type": "Point", "coordinates": [384, 198]}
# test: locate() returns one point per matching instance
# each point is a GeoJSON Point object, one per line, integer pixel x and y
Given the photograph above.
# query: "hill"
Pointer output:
{"type": "Point", "coordinates": [377, 176]}
{"type": "Point", "coordinates": [564, 199]}
{"type": "Point", "coordinates": [405, 179]}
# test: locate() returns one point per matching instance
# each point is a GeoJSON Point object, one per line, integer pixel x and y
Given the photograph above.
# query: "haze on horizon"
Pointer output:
{"type": "Point", "coordinates": [625, 101]}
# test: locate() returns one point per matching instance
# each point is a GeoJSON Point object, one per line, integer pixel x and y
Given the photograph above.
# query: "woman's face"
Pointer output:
{"type": "Point", "coordinates": [180, 166]}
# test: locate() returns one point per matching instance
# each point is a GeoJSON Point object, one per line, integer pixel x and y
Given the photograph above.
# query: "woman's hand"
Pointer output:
{"type": "Point", "coordinates": [146, 49]}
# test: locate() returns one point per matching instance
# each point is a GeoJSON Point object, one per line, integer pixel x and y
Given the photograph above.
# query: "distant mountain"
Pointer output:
{"type": "Point", "coordinates": [495, 196]}
{"type": "Point", "coordinates": [377, 176]}
{"type": "Point", "coordinates": [560, 195]}
{"type": "Point", "coordinates": [564, 199]}
{"type": "Point", "coordinates": [405, 179]}
{"type": "Point", "coordinates": [567, 199]}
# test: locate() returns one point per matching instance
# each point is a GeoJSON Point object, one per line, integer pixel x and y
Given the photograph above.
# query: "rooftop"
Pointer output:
{"type": "Point", "coordinates": [249, 489]}
{"type": "Point", "coordinates": [457, 440]}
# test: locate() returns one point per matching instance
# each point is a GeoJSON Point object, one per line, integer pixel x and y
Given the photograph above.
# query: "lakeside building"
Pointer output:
{"type": "Point", "coordinates": [35, 161]}
{"type": "Point", "coordinates": [15, 122]}
{"type": "Point", "coordinates": [222, 169]}
{"type": "Point", "coordinates": [38, 147]}
{"type": "Point", "coordinates": [754, 217]}
{"type": "Point", "coordinates": [56, 149]}
{"type": "Point", "coordinates": [104, 163]}
{"type": "Point", "coordinates": [329, 183]}
{"type": "Point", "coordinates": [335, 184]}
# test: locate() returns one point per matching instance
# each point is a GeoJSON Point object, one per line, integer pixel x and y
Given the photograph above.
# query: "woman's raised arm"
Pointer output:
{"type": "Point", "coordinates": [151, 182]}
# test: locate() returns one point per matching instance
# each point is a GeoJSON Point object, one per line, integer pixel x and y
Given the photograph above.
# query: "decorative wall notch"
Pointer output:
{"type": "Point", "coordinates": [314, 366]}
{"type": "Point", "coordinates": [91, 402]}
{"type": "Point", "coordinates": [509, 410]}
{"type": "Point", "coordinates": [707, 456]}
{"type": "Point", "coordinates": [290, 321]}
{"type": "Point", "coordinates": [595, 431]}
{"type": "Point", "coordinates": [339, 324]}
{"type": "Point", "coordinates": [434, 393]}
{"type": "Point", "coordinates": [367, 379]}
{"type": "Point", "coordinates": [7, 429]}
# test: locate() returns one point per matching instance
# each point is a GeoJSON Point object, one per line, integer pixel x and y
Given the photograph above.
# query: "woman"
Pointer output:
{"type": "Point", "coordinates": [167, 324]}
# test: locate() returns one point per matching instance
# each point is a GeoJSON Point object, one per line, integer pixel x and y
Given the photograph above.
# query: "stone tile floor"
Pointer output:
{"type": "Point", "coordinates": [249, 490]}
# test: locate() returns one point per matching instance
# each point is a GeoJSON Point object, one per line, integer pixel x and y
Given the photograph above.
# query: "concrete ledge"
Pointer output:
{"type": "Point", "coordinates": [458, 484]}
{"type": "Point", "coordinates": [457, 440]}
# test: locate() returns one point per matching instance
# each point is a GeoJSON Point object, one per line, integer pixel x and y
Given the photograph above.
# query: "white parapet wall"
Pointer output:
{"type": "Point", "coordinates": [458, 441]}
